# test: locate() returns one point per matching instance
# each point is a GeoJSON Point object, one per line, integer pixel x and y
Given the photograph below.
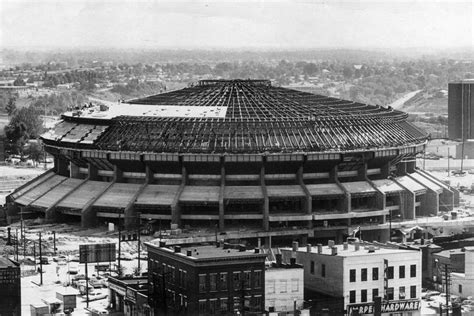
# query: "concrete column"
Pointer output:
{"type": "Point", "coordinates": [149, 175]}
{"type": "Point", "coordinates": [61, 166]}
{"type": "Point", "coordinates": [385, 170]}
{"type": "Point", "coordinates": [74, 170]}
{"type": "Point", "coordinates": [362, 172]}
{"type": "Point", "coordinates": [266, 203]}
{"type": "Point", "coordinates": [308, 205]}
{"type": "Point", "coordinates": [401, 168]}
{"type": "Point", "coordinates": [93, 172]}
{"type": "Point", "coordinates": [221, 197]}
{"type": "Point", "coordinates": [118, 174]}
{"type": "Point", "coordinates": [346, 203]}
{"type": "Point", "coordinates": [175, 207]}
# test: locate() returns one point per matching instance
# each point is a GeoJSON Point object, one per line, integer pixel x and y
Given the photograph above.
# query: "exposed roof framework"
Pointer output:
{"type": "Point", "coordinates": [258, 118]}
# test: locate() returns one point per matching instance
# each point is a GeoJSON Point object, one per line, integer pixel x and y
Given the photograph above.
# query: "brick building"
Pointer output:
{"type": "Point", "coordinates": [10, 288]}
{"type": "Point", "coordinates": [205, 280]}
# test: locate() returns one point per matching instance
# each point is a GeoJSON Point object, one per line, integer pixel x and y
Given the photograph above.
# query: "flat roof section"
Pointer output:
{"type": "Point", "coordinates": [425, 182]}
{"type": "Point", "coordinates": [243, 193]}
{"type": "Point", "coordinates": [200, 194]}
{"type": "Point", "coordinates": [118, 195]}
{"type": "Point", "coordinates": [155, 194]}
{"type": "Point", "coordinates": [363, 251]}
{"type": "Point", "coordinates": [324, 189]}
{"type": "Point", "coordinates": [411, 184]}
{"type": "Point", "coordinates": [387, 186]}
{"type": "Point", "coordinates": [210, 252]}
{"type": "Point", "coordinates": [57, 193]}
{"type": "Point", "coordinates": [33, 183]}
{"type": "Point", "coordinates": [284, 191]}
{"type": "Point", "coordinates": [359, 187]}
{"type": "Point", "coordinates": [84, 194]}
{"type": "Point", "coordinates": [39, 190]}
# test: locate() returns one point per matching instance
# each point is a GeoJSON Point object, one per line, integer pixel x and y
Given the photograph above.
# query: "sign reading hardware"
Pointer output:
{"type": "Point", "coordinates": [387, 307]}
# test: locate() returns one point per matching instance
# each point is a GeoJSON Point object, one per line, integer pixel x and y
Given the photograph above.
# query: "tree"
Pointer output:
{"type": "Point", "coordinates": [19, 82]}
{"type": "Point", "coordinates": [11, 106]}
{"type": "Point", "coordinates": [25, 124]}
{"type": "Point", "coordinates": [35, 152]}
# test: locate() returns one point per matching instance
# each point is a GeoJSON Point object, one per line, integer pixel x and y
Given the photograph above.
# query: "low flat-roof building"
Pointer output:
{"type": "Point", "coordinates": [205, 280]}
{"type": "Point", "coordinates": [355, 274]}
{"type": "Point", "coordinates": [129, 295]}
{"type": "Point", "coordinates": [284, 287]}
{"type": "Point", "coordinates": [10, 287]}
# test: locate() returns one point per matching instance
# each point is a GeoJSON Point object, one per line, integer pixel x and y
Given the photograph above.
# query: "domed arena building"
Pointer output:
{"type": "Point", "coordinates": [243, 157]}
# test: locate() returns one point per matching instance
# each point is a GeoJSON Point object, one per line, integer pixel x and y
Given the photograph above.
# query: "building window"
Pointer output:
{"type": "Point", "coordinates": [236, 280]}
{"type": "Point", "coordinates": [375, 293]}
{"type": "Point", "coordinates": [283, 286]}
{"type": "Point", "coordinates": [223, 281]}
{"type": "Point", "coordinates": [413, 291]}
{"type": "Point", "coordinates": [202, 283]}
{"type": "Point", "coordinates": [271, 286]}
{"type": "Point", "coordinates": [363, 275]}
{"type": "Point", "coordinates": [184, 279]}
{"type": "Point", "coordinates": [237, 306]}
{"type": "Point", "coordinates": [390, 293]}
{"type": "Point", "coordinates": [413, 271]}
{"type": "Point", "coordinates": [294, 285]}
{"type": "Point", "coordinates": [460, 288]}
{"type": "Point", "coordinates": [401, 292]}
{"type": "Point", "coordinates": [247, 284]}
{"type": "Point", "coordinates": [323, 270]}
{"type": "Point", "coordinates": [375, 274]}
{"type": "Point", "coordinates": [224, 306]}
{"type": "Point", "coordinates": [213, 282]}
{"type": "Point", "coordinates": [312, 267]}
{"type": "Point", "coordinates": [202, 307]}
{"type": "Point", "coordinates": [401, 272]}
{"type": "Point", "coordinates": [212, 306]}
{"type": "Point", "coordinates": [390, 273]}
{"type": "Point", "coordinates": [352, 275]}
{"type": "Point", "coordinates": [352, 296]}
{"type": "Point", "coordinates": [258, 302]}
{"type": "Point", "coordinates": [257, 275]}
{"type": "Point", "coordinates": [363, 296]}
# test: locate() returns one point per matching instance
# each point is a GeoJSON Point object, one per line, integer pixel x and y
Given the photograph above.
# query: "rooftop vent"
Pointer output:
{"type": "Point", "coordinates": [320, 248]}
{"type": "Point", "coordinates": [295, 246]}
{"type": "Point", "coordinates": [371, 249]}
{"type": "Point", "coordinates": [331, 243]}
{"type": "Point", "coordinates": [333, 250]}
{"type": "Point", "coordinates": [308, 248]}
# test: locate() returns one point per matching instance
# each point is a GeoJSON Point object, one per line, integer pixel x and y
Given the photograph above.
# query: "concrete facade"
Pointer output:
{"type": "Point", "coordinates": [284, 288]}
{"type": "Point", "coordinates": [355, 273]}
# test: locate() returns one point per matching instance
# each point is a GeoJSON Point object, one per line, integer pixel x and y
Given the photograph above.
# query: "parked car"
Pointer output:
{"type": "Point", "coordinates": [125, 256]}
{"type": "Point", "coordinates": [98, 282]}
{"type": "Point", "coordinates": [428, 294]}
{"type": "Point", "coordinates": [73, 268]}
{"type": "Point", "coordinates": [94, 296]}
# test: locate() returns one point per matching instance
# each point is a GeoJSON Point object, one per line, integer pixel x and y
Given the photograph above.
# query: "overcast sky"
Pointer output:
{"type": "Point", "coordinates": [236, 24]}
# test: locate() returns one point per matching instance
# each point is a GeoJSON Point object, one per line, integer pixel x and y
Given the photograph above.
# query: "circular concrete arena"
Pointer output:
{"type": "Point", "coordinates": [240, 155]}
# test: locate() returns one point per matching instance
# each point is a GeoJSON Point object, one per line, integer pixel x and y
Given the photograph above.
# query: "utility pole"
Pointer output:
{"type": "Point", "coordinates": [22, 233]}
{"type": "Point", "coordinates": [54, 241]}
{"type": "Point", "coordinates": [138, 238]}
{"type": "Point", "coordinates": [41, 261]}
{"type": "Point", "coordinates": [87, 278]}
{"type": "Point", "coordinates": [119, 272]}
{"type": "Point", "coordinates": [16, 243]}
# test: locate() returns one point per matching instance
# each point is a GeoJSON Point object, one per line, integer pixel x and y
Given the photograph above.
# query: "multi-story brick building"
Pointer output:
{"type": "Point", "coordinates": [205, 280]}
{"type": "Point", "coordinates": [356, 275]}
{"type": "Point", "coordinates": [10, 288]}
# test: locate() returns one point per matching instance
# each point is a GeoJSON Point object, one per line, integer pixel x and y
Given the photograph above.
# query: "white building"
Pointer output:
{"type": "Point", "coordinates": [462, 284]}
{"type": "Point", "coordinates": [356, 274]}
{"type": "Point", "coordinates": [284, 287]}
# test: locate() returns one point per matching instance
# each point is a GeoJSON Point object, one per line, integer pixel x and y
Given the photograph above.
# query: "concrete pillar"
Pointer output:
{"type": "Point", "coordinates": [118, 174]}
{"type": "Point", "coordinates": [221, 197]}
{"type": "Point", "coordinates": [410, 166]}
{"type": "Point", "coordinates": [149, 175]}
{"type": "Point", "coordinates": [175, 207]}
{"type": "Point", "coordinates": [268, 242]}
{"type": "Point", "coordinates": [362, 172]}
{"type": "Point", "coordinates": [266, 203]}
{"type": "Point", "coordinates": [93, 172]}
{"type": "Point", "coordinates": [385, 170]}
{"type": "Point", "coordinates": [61, 166]}
{"type": "Point", "coordinates": [401, 168]}
{"type": "Point", "coordinates": [74, 170]}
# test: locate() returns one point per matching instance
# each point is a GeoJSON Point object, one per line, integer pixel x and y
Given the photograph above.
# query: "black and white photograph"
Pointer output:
{"type": "Point", "coordinates": [237, 157]}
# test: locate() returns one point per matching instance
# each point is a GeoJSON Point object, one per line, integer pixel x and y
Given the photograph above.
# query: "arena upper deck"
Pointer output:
{"type": "Point", "coordinates": [237, 116]}
{"type": "Point", "coordinates": [240, 154]}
